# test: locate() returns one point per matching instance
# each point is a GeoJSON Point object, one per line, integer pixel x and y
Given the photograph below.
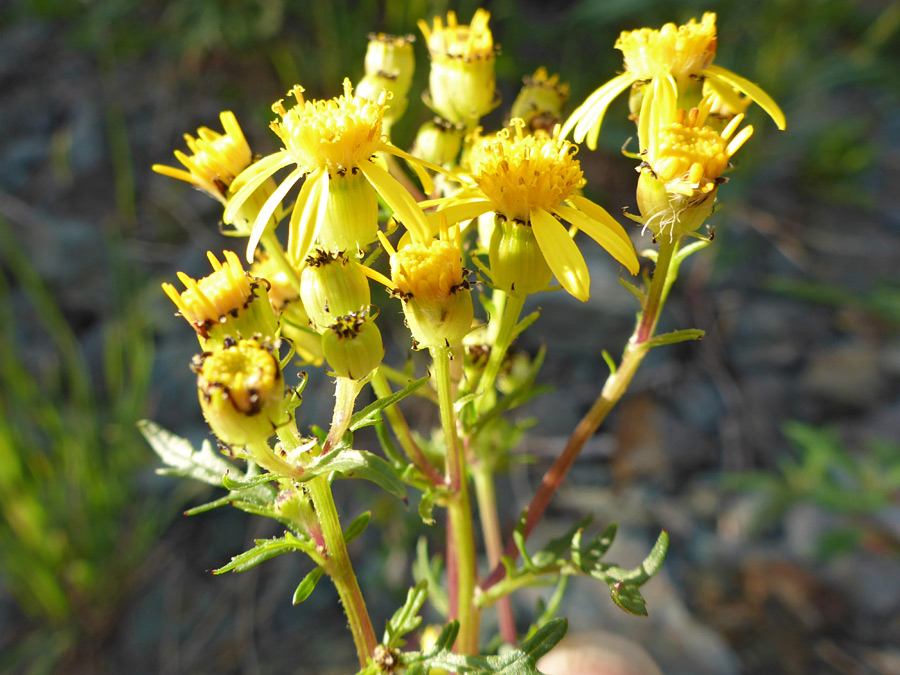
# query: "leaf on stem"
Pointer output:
{"type": "Point", "coordinates": [371, 414]}
{"type": "Point", "coordinates": [406, 619]}
{"type": "Point", "coordinates": [675, 337]}
{"type": "Point", "coordinates": [308, 585]}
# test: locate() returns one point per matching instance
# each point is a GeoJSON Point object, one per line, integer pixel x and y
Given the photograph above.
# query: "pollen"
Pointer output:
{"type": "Point", "coordinates": [208, 301]}
{"type": "Point", "coordinates": [519, 173]}
{"type": "Point", "coordinates": [455, 41]}
{"type": "Point", "coordinates": [679, 50]}
{"type": "Point", "coordinates": [336, 135]}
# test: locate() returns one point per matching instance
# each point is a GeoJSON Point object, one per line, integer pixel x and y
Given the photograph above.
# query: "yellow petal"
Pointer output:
{"type": "Point", "coordinates": [604, 233]}
{"type": "Point", "coordinates": [172, 172]}
{"type": "Point", "coordinates": [398, 199]}
{"type": "Point", "coordinates": [302, 228]}
{"type": "Point", "coordinates": [589, 115]}
{"type": "Point", "coordinates": [561, 254]}
{"type": "Point", "coordinates": [268, 210]}
{"type": "Point", "coordinates": [458, 213]}
{"type": "Point", "coordinates": [747, 87]}
{"type": "Point", "coordinates": [250, 179]}
{"type": "Point", "coordinates": [417, 163]}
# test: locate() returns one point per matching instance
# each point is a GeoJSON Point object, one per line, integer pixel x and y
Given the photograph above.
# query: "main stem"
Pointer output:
{"type": "Point", "coordinates": [459, 511]}
{"type": "Point", "coordinates": [508, 321]}
{"type": "Point", "coordinates": [340, 570]}
{"type": "Point", "coordinates": [616, 385]}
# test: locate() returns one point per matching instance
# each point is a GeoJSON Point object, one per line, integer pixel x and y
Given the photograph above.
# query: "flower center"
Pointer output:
{"type": "Point", "coordinates": [521, 173]}
{"type": "Point", "coordinates": [428, 273]}
{"type": "Point", "coordinates": [336, 135]}
{"type": "Point", "coordinates": [247, 371]}
{"type": "Point", "coordinates": [679, 50]}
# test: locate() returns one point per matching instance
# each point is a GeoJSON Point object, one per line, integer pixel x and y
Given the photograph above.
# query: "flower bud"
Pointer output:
{"type": "Point", "coordinates": [462, 81]}
{"type": "Point", "coordinates": [392, 57]}
{"type": "Point", "coordinates": [517, 265]}
{"type": "Point", "coordinates": [439, 142]}
{"type": "Point", "coordinates": [540, 101]}
{"type": "Point", "coordinates": [332, 286]}
{"type": "Point", "coordinates": [241, 391]}
{"type": "Point", "coordinates": [353, 345]}
{"type": "Point", "coordinates": [227, 303]}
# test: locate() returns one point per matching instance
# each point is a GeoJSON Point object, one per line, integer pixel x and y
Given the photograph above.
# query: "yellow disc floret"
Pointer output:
{"type": "Point", "coordinates": [336, 135]}
{"type": "Point", "coordinates": [679, 50]}
{"type": "Point", "coordinates": [519, 173]}
{"type": "Point", "coordinates": [241, 391]}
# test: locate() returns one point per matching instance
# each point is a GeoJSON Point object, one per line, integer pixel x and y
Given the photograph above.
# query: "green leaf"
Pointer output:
{"type": "Point", "coordinates": [430, 497]}
{"type": "Point", "coordinates": [629, 598]}
{"type": "Point", "coordinates": [523, 325]}
{"type": "Point", "coordinates": [675, 337]}
{"type": "Point", "coordinates": [429, 570]}
{"type": "Point", "coordinates": [308, 585]}
{"type": "Point", "coordinates": [634, 290]}
{"type": "Point", "coordinates": [178, 453]}
{"type": "Point", "coordinates": [545, 639]}
{"type": "Point", "coordinates": [356, 528]}
{"type": "Point", "coordinates": [261, 479]}
{"type": "Point", "coordinates": [265, 549]}
{"type": "Point", "coordinates": [406, 619]}
{"type": "Point", "coordinates": [371, 414]}
{"type": "Point", "coordinates": [358, 464]}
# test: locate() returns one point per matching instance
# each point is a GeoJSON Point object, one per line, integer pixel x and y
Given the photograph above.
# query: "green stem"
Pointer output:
{"type": "Point", "coordinates": [459, 511]}
{"type": "Point", "coordinates": [508, 323]}
{"type": "Point", "coordinates": [338, 567]}
{"type": "Point", "coordinates": [615, 387]}
{"type": "Point", "coordinates": [401, 429]}
{"type": "Point", "coordinates": [275, 250]}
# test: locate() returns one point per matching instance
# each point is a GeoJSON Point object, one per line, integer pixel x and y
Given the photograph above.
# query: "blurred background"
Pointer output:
{"type": "Point", "coordinates": [769, 451]}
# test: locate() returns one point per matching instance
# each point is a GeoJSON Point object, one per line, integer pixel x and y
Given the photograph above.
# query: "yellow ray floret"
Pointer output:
{"type": "Point", "coordinates": [215, 160]}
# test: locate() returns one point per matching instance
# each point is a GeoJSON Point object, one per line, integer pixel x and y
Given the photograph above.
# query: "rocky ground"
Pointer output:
{"type": "Point", "coordinates": [799, 295]}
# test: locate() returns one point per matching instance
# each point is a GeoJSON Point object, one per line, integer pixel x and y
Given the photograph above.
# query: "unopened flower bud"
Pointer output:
{"type": "Point", "coordinates": [540, 101]}
{"type": "Point", "coordinates": [332, 286]}
{"type": "Point", "coordinates": [353, 345]}
{"type": "Point", "coordinates": [227, 303]}
{"type": "Point", "coordinates": [439, 142]}
{"type": "Point", "coordinates": [517, 265]}
{"type": "Point", "coordinates": [241, 391]}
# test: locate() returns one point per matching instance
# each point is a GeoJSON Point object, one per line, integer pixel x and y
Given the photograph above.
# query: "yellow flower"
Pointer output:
{"type": "Point", "coordinates": [461, 81]}
{"type": "Point", "coordinates": [683, 164]}
{"type": "Point", "coordinates": [672, 58]}
{"type": "Point", "coordinates": [241, 391]}
{"type": "Point", "coordinates": [225, 303]}
{"type": "Point", "coordinates": [332, 143]}
{"type": "Point", "coordinates": [534, 180]}
{"type": "Point", "coordinates": [430, 280]}
{"type": "Point", "coordinates": [216, 161]}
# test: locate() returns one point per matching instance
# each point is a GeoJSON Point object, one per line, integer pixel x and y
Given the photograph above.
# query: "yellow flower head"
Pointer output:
{"type": "Point", "coordinates": [533, 180]}
{"type": "Point", "coordinates": [461, 81]}
{"type": "Point", "coordinates": [430, 280]}
{"type": "Point", "coordinates": [336, 135]}
{"type": "Point", "coordinates": [224, 303]}
{"type": "Point", "coordinates": [333, 144]}
{"type": "Point", "coordinates": [520, 173]}
{"type": "Point", "coordinates": [216, 158]}
{"type": "Point", "coordinates": [241, 391]}
{"type": "Point", "coordinates": [668, 62]}
{"type": "Point", "coordinates": [684, 162]}
{"type": "Point", "coordinates": [681, 51]}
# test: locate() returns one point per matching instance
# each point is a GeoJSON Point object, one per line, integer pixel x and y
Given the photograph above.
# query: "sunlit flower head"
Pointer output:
{"type": "Point", "coordinates": [215, 160]}
{"type": "Point", "coordinates": [532, 179]}
{"type": "Point", "coordinates": [461, 81]}
{"type": "Point", "coordinates": [683, 165]}
{"type": "Point", "coordinates": [226, 302]}
{"type": "Point", "coordinates": [333, 144]}
{"type": "Point", "coordinates": [677, 58]}
{"type": "Point", "coordinates": [431, 281]}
